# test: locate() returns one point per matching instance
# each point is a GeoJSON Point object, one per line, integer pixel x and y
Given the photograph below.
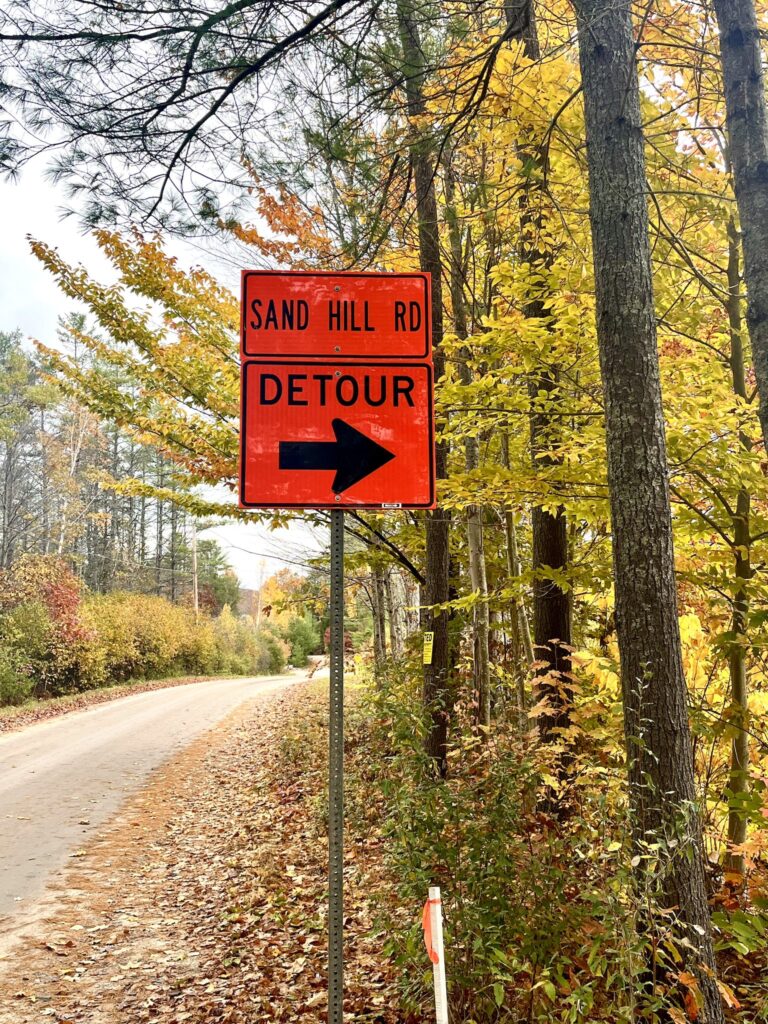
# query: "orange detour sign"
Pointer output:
{"type": "Point", "coordinates": [337, 435]}
{"type": "Point", "coordinates": [310, 315]}
{"type": "Point", "coordinates": [337, 391]}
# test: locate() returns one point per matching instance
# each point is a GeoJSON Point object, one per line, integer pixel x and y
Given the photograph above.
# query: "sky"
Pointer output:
{"type": "Point", "coordinates": [30, 301]}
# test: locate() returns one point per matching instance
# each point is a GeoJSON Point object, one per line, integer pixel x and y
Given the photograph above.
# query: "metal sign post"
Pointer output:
{"type": "Point", "coordinates": [336, 778]}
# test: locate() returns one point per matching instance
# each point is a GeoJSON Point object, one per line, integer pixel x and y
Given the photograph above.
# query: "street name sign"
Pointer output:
{"type": "Point", "coordinates": [337, 391]}
{"type": "Point", "coordinates": [313, 315]}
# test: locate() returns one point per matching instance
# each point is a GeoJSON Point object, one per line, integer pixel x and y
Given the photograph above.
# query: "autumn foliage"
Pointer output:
{"type": "Point", "coordinates": [57, 638]}
{"type": "Point", "coordinates": [456, 136]}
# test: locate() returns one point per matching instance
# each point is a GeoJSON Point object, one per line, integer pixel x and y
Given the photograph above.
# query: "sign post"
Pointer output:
{"type": "Point", "coordinates": [336, 413]}
{"type": "Point", "coordinates": [336, 778]}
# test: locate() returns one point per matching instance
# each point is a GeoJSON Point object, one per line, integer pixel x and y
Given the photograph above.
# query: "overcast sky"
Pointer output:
{"type": "Point", "coordinates": [31, 301]}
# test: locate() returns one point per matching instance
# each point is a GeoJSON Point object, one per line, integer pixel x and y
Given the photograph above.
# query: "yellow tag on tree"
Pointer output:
{"type": "Point", "coordinates": [429, 643]}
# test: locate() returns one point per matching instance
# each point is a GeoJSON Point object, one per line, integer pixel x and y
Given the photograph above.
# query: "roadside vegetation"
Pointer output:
{"type": "Point", "coordinates": [582, 760]}
{"type": "Point", "coordinates": [57, 638]}
{"type": "Point", "coordinates": [97, 577]}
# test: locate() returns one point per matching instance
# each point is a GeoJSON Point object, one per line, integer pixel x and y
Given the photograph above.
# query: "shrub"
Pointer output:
{"type": "Point", "coordinates": [114, 655]}
{"type": "Point", "coordinates": [243, 649]}
{"type": "Point", "coordinates": [537, 920]}
{"type": "Point", "coordinates": [303, 636]}
{"type": "Point", "coordinates": [148, 637]}
{"type": "Point", "coordinates": [27, 633]}
{"type": "Point", "coordinates": [272, 651]}
{"type": "Point", "coordinates": [42, 624]}
{"type": "Point", "coordinates": [143, 636]}
{"type": "Point", "coordinates": [199, 653]}
{"type": "Point", "coordinates": [54, 639]}
{"type": "Point", "coordinates": [15, 686]}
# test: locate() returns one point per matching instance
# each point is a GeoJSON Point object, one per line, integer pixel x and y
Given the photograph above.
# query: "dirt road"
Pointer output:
{"type": "Point", "coordinates": [61, 780]}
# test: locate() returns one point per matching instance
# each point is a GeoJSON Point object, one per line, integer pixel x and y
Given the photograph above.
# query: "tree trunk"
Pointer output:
{"type": "Point", "coordinates": [45, 499]}
{"type": "Point", "coordinates": [9, 479]}
{"type": "Point", "coordinates": [551, 603]}
{"type": "Point", "coordinates": [412, 605]}
{"type": "Point", "coordinates": [142, 551]}
{"type": "Point", "coordinates": [481, 620]}
{"type": "Point", "coordinates": [392, 591]}
{"type": "Point", "coordinates": [737, 655]}
{"type": "Point", "coordinates": [481, 664]}
{"type": "Point", "coordinates": [379, 621]}
{"type": "Point", "coordinates": [174, 532]}
{"type": "Point", "coordinates": [738, 783]}
{"type": "Point", "coordinates": [551, 614]}
{"type": "Point", "coordinates": [437, 695]}
{"type": "Point", "coordinates": [522, 627]}
{"type": "Point", "coordinates": [159, 533]}
{"type": "Point", "coordinates": [515, 571]}
{"type": "Point", "coordinates": [659, 751]}
{"type": "Point", "coordinates": [114, 510]}
{"type": "Point", "coordinates": [746, 117]}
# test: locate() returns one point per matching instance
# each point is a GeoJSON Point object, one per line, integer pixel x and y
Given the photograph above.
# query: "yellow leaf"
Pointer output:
{"type": "Point", "coordinates": [729, 997]}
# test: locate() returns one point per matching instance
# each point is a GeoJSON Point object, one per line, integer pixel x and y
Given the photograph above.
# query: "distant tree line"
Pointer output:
{"type": "Point", "coordinates": [60, 471]}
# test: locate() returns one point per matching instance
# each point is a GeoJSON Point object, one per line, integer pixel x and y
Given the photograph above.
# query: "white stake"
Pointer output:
{"type": "Point", "coordinates": [434, 939]}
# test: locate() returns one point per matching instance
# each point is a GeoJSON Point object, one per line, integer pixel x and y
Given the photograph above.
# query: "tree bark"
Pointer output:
{"type": "Point", "coordinates": [520, 614]}
{"type": "Point", "coordinates": [551, 603]}
{"type": "Point", "coordinates": [379, 620]}
{"type": "Point", "coordinates": [392, 590]}
{"type": "Point", "coordinates": [481, 664]}
{"type": "Point", "coordinates": [746, 117]}
{"type": "Point", "coordinates": [436, 691]}
{"type": "Point", "coordinates": [412, 605]}
{"type": "Point", "coordinates": [738, 782]}
{"type": "Point", "coordinates": [159, 532]}
{"type": "Point", "coordinates": [551, 613]}
{"type": "Point", "coordinates": [9, 481]}
{"type": "Point", "coordinates": [659, 751]}
{"type": "Point", "coordinates": [737, 656]}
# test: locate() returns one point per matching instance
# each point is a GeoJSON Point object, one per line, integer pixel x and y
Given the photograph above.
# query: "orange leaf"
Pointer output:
{"type": "Point", "coordinates": [691, 1005]}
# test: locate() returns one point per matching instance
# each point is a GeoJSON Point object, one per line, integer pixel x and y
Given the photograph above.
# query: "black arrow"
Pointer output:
{"type": "Point", "coordinates": [352, 455]}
